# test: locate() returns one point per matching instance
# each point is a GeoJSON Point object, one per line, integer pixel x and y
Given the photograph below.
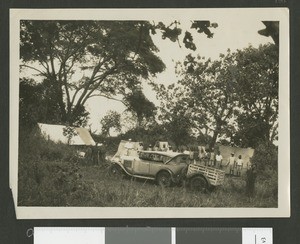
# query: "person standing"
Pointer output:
{"type": "Point", "coordinates": [95, 155]}
{"type": "Point", "coordinates": [250, 180]}
{"type": "Point", "coordinates": [219, 160]}
{"type": "Point", "coordinates": [206, 158]}
{"type": "Point", "coordinates": [101, 155]}
{"type": "Point", "coordinates": [231, 164]}
{"type": "Point", "coordinates": [239, 165]}
{"type": "Point", "coordinates": [212, 157]}
{"type": "Point", "coordinates": [89, 155]}
{"type": "Point", "coordinates": [196, 155]}
{"type": "Point", "coordinates": [191, 155]}
{"type": "Point", "coordinates": [202, 156]}
{"type": "Point", "coordinates": [129, 147]}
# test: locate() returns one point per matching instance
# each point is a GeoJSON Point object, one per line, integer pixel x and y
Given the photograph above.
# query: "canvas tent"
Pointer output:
{"type": "Point", "coordinates": [56, 133]}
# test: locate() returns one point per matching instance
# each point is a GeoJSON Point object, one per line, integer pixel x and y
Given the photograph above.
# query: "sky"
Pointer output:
{"type": "Point", "coordinates": [233, 33]}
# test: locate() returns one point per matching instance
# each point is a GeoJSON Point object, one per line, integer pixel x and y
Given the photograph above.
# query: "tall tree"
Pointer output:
{"type": "Point", "coordinates": [37, 103]}
{"type": "Point", "coordinates": [88, 58]}
{"type": "Point", "coordinates": [172, 114]}
{"type": "Point", "coordinates": [257, 75]}
{"type": "Point", "coordinates": [209, 91]}
{"type": "Point", "coordinates": [235, 97]}
{"type": "Point", "coordinates": [82, 59]}
{"type": "Point", "coordinates": [140, 106]}
{"type": "Point", "coordinates": [112, 120]}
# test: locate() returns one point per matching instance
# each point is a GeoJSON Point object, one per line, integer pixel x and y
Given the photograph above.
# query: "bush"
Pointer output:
{"type": "Point", "coordinates": [47, 172]}
{"type": "Point", "coordinates": [266, 159]}
{"type": "Point", "coordinates": [32, 146]}
{"type": "Point", "coordinates": [266, 156]}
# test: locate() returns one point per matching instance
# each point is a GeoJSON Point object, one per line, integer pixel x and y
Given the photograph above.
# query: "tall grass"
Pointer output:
{"type": "Point", "coordinates": [49, 176]}
{"type": "Point", "coordinates": [48, 173]}
{"type": "Point", "coordinates": [107, 191]}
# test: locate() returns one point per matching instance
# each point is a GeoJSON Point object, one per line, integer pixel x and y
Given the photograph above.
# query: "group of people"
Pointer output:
{"type": "Point", "coordinates": [233, 164]}
{"type": "Point", "coordinates": [94, 155]}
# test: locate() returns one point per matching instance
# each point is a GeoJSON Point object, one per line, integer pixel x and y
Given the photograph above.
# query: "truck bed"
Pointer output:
{"type": "Point", "coordinates": [215, 176]}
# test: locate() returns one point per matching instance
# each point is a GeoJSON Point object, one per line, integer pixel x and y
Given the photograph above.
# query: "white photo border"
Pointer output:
{"type": "Point", "coordinates": [217, 14]}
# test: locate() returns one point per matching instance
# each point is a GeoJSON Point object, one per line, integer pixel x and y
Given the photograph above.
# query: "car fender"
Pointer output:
{"type": "Point", "coordinates": [122, 167]}
{"type": "Point", "coordinates": [198, 174]}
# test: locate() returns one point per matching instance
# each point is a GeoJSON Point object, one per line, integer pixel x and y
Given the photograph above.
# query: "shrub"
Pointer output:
{"type": "Point", "coordinates": [47, 172]}
{"type": "Point", "coordinates": [266, 156]}
{"type": "Point", "coordinates": [266, 159]}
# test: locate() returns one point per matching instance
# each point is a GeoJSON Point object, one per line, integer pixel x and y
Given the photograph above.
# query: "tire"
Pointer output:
{"type": "Point", "coordinates": [199, 183]}
{"type": "Point", "coordinates": [115, 170]}
{"type": "Point", "coordinates": [164, 179]}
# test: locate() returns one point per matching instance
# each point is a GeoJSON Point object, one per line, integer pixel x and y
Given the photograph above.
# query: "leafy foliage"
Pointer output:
{"type": "Point", "coordinates": [173, 31]}
{"type": "Point", "coordinates": [37, 103]}
{"type": "Point", "coordinates": [139, 106]}
{"type": "Point", "coordinates": [272, 29]}
{"type": "Point", "coordinates": [266, 156]}
{"type": "Point", "coordinates": [109, 56]}
{"type": "Point", "coordinates": [48, 173]}
{"type": "Point", "coordinates": [206, 94]}
{"type": "Point", "coordinates": [233, 97]}
{"type": "Point", "coordinates": [257, 75]}
{"type": "Point", "coordinates": [203, 26]}
{"type": "Point", "coordinates": [112, 120]}
{"type": "Point", "coordinates": [69, 132]}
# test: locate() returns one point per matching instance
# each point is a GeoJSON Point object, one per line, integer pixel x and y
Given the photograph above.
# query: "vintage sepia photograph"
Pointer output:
{"type": "Point", "coordinates": [135, 110]}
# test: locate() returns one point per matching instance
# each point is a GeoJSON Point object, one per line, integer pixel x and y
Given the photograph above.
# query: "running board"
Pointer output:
{"type": "Point", "coordinates": [137, 176]}
{"type": "Point", "coordinates": [142, 177]}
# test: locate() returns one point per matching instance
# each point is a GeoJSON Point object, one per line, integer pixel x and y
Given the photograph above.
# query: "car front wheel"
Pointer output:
{"type": "Point", "coordinates": [115, 170]}
{"type": "Point", "coordinates": [164, 179]}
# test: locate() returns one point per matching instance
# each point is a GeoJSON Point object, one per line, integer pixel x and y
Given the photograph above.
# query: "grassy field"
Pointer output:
{"type": "Point", "coordinates": [93, 186]}
{"type": "Point", "coordinates": [48, 176]}
{"type": "Point", "coordinates": [114, 192]}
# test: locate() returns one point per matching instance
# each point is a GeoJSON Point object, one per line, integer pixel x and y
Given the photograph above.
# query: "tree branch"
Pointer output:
{"type": "Point", "coordinates": [108, 97]}
{"type": "Point", "coordinates": [97, 86]}
{"type": "Point", "coordinates": [30, 67]}
{"type": "Point", "coordinates": [75, 94]}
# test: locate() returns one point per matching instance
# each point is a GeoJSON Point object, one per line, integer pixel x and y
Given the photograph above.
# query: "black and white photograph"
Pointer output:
{"type": "Point", "coordinates": [149, 113]}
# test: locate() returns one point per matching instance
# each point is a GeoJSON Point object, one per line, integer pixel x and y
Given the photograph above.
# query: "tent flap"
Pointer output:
{"type": "Point", "coordinates": [56, 133]}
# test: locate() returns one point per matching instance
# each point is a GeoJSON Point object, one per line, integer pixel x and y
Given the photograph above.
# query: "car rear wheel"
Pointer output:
{"type": "Point", "coordinates": [164, 179]}
{"type": "Point", "coordinates": [199, 183]}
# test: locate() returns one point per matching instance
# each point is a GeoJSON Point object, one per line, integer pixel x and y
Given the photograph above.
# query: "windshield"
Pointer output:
{"type": "Point", "coordinates": [154, 157]}
{"type": "Point", "coordinates": [179, 159]}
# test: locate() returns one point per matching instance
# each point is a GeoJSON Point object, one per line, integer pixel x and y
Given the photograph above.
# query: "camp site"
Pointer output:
{"type": "Point", "coordinates": [148, 114]}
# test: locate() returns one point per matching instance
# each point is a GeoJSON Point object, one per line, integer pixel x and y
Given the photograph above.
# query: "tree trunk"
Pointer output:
{"type": "Point", "coordinates": [61, 104]}
{"type": "Point", "coordinates": [214, 138]}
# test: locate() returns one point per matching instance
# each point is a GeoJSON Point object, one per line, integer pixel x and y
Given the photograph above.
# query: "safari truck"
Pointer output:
{"type": "Point", "coordinates": [166, 168]}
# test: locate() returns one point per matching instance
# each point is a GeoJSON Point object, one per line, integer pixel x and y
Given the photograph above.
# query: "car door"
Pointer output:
{"type": "Point", "coordinates": [141, 166]}
{"type": "Point", "coordinates": [158, 164]}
